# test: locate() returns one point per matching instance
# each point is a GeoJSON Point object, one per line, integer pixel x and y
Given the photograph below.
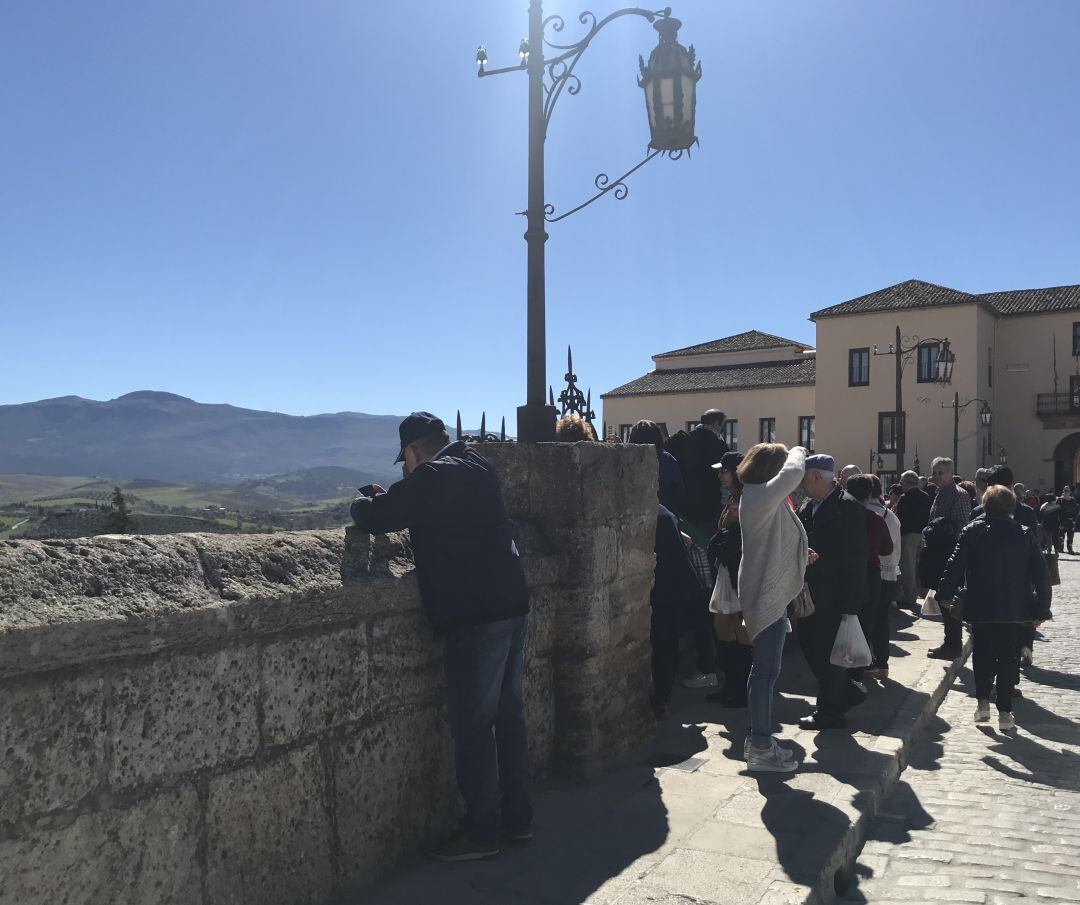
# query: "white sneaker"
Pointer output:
{"type": "Point", "coordinates": [982, 712]}
{"type": "Point", "coordinates": [785, 753]}
{"type": "Point", "coordinates": [1026, 655]}
{"type": "Point", "coordinates": [701, 680]}
{"type": "Point", "coordinates": [1006, 723]}
{"type": "Point", "coordinates": [770, 760]}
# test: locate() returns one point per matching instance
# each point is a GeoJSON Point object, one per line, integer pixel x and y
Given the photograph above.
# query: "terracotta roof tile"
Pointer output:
{"type": "Point", "coordinates": [1033, 301]}
{"type": "Point", "coordinates": [750, 341]}
{"type": "Point", "coordinates": [909, 294]}
{"type": "Point", "coordinates": [757, 375]}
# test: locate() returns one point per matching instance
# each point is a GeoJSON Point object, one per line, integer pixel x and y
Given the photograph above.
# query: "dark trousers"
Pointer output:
{"type": "Point", "coordinates": [817, 633]}
{"type": "Point", "coordinates": [735, 661]}
{"type": "Point", "coordinates": [875, 615]}
{"type": "Point", "coordinates": [485, 665]}
{"type": "Point", "coordinates": [995, 655]}
{"type": "Point", "coordinates": [668, 626]}
{"type": "Point", "coordinates": [879, 641]}
{"type": "Point", "coordinates": [1070, 529]}
{"type": "Point", "coordinates": [954, 632]}
{"type": "Point", "coordinates": [701, 627]}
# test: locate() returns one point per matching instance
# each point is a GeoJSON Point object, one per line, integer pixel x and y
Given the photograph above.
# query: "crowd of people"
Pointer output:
{"type": "Point", "coordinates": [750, 545]}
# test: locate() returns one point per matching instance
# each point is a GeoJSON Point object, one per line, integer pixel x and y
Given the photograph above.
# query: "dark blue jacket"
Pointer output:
{"type": "Point", "coordinates": [672, 488]}
{"type": "Point", "coordinates": [466, 561]}
{"type": "Point", "coordinates": [1000, 563]}
{"type": "Point", "coordinates": [676, 584]}
{"type": "Point", "coordinates": [1024, 514]}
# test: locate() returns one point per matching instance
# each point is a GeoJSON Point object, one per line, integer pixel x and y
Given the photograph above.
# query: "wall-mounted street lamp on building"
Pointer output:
{"type": "Point", "coordinates": [669, 81]}
{"type": "Point", "coordinates": [1003, 457]}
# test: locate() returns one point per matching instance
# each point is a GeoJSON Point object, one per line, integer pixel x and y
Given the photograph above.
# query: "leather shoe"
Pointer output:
{"type": "Point", "coordinates": [943, 653]}
{"type": "Point", "coordinates": [818, 721]}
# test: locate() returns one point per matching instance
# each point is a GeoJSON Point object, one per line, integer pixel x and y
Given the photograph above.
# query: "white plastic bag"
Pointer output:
{"type": "Point", "coordinates": [724, 599]}
{"type": "Point", "coordinates": [850, 649]}
{"type": "Point", "coordinates": [930, 605]}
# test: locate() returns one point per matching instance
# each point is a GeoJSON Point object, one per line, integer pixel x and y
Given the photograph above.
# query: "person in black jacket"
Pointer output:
{"type": "Point", "coordinates": [836, 529]}
{"type": "Point", "coordinates": [704, 449]}
{"type": "Point", "coordinates": [473, 589]}
{"type": "Point", "coordinates": [913, 510]}
{"type": "Point", "coordinates": [1070, 509]}
{"type": "Point", "coordinates": [672, 490]}
{"type": "Point", "coordinates": [674, 599]}
{"type": "Point", "coordinates": [1008, 587]}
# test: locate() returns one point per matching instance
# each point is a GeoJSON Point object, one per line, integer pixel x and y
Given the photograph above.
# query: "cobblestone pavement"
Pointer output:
{"type": "Point", "coordinates": [983, 817]}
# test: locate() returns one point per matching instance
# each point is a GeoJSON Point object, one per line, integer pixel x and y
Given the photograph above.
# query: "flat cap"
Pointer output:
{"type": "Point", "coordinates": [821, 462]}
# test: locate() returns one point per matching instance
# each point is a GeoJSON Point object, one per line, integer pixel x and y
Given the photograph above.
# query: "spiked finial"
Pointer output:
{"type": "Point", "coordinates": [502, 431]}
{"type": "Point", "coordinates": [483, 426]}
{"type": "Point", "coordinates": [459, 425]}
{"type": "Point", "coordinates": [551, 397]}
{"type": "Point", "coordinates": [569, 364]}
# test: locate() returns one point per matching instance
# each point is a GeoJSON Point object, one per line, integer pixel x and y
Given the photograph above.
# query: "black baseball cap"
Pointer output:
{"type": "Point", "coordinates": [729, 461]}
{"type": "Point", "coordinates": [417, 425]}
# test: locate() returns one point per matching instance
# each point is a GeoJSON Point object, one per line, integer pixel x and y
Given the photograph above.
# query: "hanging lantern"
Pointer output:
{"type": "Point", "coordinates": [986, 414]}
{"type": "Point", "coordinates": [670, 83]}
{"type": "Point", "coordinates": [945, 361]}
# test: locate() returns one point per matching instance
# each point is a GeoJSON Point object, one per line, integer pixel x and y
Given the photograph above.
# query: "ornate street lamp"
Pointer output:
{"type": "Point", "coordinates": [670, 83]}
{"type": "Point", "coordinates": [943, 371]}
{"type": "Point", "coordinates": [986, 414]}
{"type": "Point", "coordinates": [1003, 457]}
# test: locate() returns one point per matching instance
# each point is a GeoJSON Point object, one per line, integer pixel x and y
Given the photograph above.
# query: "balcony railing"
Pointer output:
{"type": "Point", "coordinates": [1050, 404]}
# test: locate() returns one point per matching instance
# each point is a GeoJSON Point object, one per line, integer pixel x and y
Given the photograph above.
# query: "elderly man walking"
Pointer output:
{"type": "Point", "coordinates": [473, 589]}
{"type": "Point", "coordinates": [913, 510]}
{"type": "Point", "coordinates": [836, 529]}
{"type": "Point", "coordinates": [949, 513]}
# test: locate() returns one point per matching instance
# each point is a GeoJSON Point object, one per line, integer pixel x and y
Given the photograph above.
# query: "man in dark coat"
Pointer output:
{"type": "Point", "coordinates": [913, 510]}
{"type": "Point", "coordinates": [706, 447]}
{"type": "Point", "coordinates": [473, 588]}
{"type": "Point", "coordinates": [1070, 510]}
{"type": "Point", "coordinates": [836, 528]}
{"type": "Point", "coordinates": [949, 513]}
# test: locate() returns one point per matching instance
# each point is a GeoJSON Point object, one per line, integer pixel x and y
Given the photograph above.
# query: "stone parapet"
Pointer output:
{"type": "Point", "coordinates": [255, 718]}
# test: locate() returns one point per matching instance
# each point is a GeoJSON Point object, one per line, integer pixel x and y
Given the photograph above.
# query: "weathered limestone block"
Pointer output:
{"type": "Point", "coordinates": [540, 713]}
{"type": "Point", "coordinates": [394, 788]}
{"type": "Point", "coordinates": [179, 713]}
{"type": "Point", "coordinates": [312, 683]}
{"type": "Point", "coordinates": [144, 853]}
{"type": "Point", "coordinates": [637, 546]}
{"type": "Point", "coordinates": [589, 554]}
{"type": "Point", "coordinates": [616, 481]}
{"type": "Point", "coordinates": [268, 834]}
{"type": "Point", "coordinates": [583, 623]}
{"type": "Point", "coordinates": [52, 749]}
{"type": "Point", "coordinates": [406, 664]}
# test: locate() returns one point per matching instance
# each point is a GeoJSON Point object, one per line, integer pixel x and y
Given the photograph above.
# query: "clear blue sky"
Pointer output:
{"type": "Point", "coordinates": [309, 207]}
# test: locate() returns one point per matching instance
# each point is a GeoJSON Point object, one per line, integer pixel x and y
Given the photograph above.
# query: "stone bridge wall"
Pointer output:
{"type": "Point", "coordinates": [254, 719]}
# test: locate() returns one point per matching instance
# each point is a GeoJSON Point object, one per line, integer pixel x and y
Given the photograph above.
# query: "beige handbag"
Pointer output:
{"type": "Point", "coordinates": [803, 604]}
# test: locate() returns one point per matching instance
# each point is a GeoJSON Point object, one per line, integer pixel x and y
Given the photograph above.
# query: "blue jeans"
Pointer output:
{"type": "Point", "coordinates": [761, 687]}
{"type": "Point", "coordinates": [484, 667]}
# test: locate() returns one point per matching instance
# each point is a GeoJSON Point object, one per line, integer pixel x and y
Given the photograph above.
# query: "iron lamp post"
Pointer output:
{"type": "Point", "coordinates": [669, 81]}
{"type": "Point", "coordinates": [943, 371]}
{"type": "Point", "coordinates": [986, 414]}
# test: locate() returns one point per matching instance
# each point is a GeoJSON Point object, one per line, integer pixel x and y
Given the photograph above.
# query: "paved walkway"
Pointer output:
{"type": "Point", "coordinates": [983, 817]}
{"type": "Point", "coordinates": [686, 824]}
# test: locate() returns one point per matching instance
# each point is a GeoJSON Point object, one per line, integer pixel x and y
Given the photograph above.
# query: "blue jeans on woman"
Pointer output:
{"type": "Point", "coordinates": [761, 687]}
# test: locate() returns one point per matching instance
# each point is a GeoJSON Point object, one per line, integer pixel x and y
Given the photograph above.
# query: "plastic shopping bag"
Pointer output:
{"type": "Point", "coordinates": [930, 605]}
{"type": "Point", "coordinates": [724, 600]}
{"type": "Point", "coordinates": [850, 649]}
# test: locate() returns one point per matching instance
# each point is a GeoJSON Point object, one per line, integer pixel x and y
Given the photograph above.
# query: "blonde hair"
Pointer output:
{"type": "Point", "coordinates": [762, 463]}
{"type": "Point", "coordinates": [572, 428]}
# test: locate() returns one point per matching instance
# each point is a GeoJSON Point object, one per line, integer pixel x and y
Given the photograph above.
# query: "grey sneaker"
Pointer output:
{"type": "Point", "coordinates": [982, 712]}
{"type": "Point", "coordinates": [785, 753]}
{"type": "Point", "coordinates": [1006, 723]}
{"type": "Point", "coordinates": [770, 760]}
{"type": "Point", "coordinates": [701, 680]}
{"type": "Point", "coordinates": [1026, 656]}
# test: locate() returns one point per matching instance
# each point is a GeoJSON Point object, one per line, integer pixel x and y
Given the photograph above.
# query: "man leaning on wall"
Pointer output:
{"type": "Point", "coordinates": [473, 588]}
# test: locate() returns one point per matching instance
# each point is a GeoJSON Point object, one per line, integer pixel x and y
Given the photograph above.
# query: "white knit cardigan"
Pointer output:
{"type": "Point", "coordinates": [774, 546]}
{"type": "Point", "coordinates": [890, 565]}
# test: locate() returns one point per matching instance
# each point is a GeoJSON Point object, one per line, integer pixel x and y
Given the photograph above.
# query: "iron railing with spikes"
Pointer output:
{"type": "Point", "coordinates": [571, 400]}
{"type": "Point", "coordinates": [483, 436]}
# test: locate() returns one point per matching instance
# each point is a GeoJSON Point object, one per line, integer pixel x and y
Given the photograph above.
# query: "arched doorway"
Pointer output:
{"type": "Point", "coordinates": [1067, 462]}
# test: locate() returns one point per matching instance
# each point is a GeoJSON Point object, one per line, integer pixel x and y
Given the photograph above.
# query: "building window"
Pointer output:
{"type": "Point", "coordinates": [888, 432]}
{"type": "Point", "coordinates": [990, 365]}
{"type": "Point", "coordinates": [888, 478]}
{"type": "Point", "coordinates": [928, 356]}
{"type": "Point", "coordinates": [806, 432]}
{"type": "Point", "coordinates": [624, 432]}
{"type": "Point", "coordinates": [690, 425]}
{"type": "Point", "coordinates": [767, 431]}
{"type": "Point", "coordinates": [858, 374]}
{"type": "Point", "coordinates": [1076, 337]}
{"type": "Point", "coordinates": [731, 434]}
{"type": "Point", "coordinates": [1074, 391]}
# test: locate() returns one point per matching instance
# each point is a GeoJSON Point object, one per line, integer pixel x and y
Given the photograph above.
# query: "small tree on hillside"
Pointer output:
{"type": "Point", "coordinates": [120, 516]}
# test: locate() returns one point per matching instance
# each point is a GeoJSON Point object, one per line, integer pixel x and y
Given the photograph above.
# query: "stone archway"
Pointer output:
{"type": "Point", "coordinates": [1067, 462]}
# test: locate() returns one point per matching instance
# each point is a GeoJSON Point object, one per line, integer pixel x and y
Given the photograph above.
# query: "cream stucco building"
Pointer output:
{"type": "Point", "coordinates": [1018, 352]}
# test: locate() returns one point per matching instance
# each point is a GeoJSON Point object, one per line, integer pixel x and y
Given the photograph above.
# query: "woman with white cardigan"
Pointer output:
{"type": "Point", "coordinates": [770, 577]}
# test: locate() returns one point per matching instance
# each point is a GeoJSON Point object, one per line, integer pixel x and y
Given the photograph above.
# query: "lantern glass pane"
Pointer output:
{"type": "Point", "coordinates": [650, 104]}
{"type": "Point", "coordinates": [689, 87]}
{"type": "Point", "coordinates": [667, 100]}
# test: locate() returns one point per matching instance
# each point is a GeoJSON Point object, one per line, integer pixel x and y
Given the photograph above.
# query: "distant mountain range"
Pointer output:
{"type": "Point", "coordinates": [165, 437]}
